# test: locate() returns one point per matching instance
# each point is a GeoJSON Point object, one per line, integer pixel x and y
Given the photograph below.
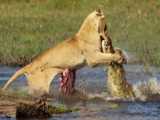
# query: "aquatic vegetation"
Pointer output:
{"type": "Point", "coordinates": [61, 109]}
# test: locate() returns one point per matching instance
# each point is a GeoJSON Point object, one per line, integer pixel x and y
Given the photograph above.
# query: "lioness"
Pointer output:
{"type": "Point", "coordinates": [82, 49]}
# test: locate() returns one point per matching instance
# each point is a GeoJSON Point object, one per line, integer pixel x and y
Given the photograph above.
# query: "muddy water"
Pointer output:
{"type": "Point", "coordinates": [92, 82]}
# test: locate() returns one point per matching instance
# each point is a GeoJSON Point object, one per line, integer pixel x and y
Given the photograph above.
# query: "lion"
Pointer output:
{"type": "Point", "coordinates": [84, 48]}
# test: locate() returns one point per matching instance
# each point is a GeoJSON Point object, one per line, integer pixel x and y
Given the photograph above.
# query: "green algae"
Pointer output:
{"type": "Point", "coordinates": [60, 109]}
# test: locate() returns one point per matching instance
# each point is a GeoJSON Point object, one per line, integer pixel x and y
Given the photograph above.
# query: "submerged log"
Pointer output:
{"type": "Point", "coordinates": [116, 83]}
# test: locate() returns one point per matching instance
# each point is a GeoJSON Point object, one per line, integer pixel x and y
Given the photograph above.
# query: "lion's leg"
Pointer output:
{"type": "Point", "coordinates": [39, 81]}
{"type": "Point", "coordinates": [103, 58]}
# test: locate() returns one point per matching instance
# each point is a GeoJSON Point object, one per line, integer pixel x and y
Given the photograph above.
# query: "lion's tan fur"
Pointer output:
{"type": "Point", "coordinates": [82, 49]}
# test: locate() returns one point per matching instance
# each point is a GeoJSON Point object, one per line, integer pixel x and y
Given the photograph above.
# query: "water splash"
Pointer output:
{"type": "Point", "coordinates": [147, 90]}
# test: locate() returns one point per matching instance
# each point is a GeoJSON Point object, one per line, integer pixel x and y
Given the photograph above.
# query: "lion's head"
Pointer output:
{"type": "Point", "coordinates": [94, 24]}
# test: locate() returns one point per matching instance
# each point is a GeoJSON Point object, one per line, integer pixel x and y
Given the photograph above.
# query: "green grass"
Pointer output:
{"type": "Point", "coordinates": [28, 27]}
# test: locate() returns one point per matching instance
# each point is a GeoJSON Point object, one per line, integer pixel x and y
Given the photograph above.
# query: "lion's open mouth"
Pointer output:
{"type": "Point", "coordinates": [102, 35]}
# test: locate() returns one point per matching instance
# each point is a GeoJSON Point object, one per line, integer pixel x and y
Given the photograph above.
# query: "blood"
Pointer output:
{"type": "Point", "coordinates": [67, 82]}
